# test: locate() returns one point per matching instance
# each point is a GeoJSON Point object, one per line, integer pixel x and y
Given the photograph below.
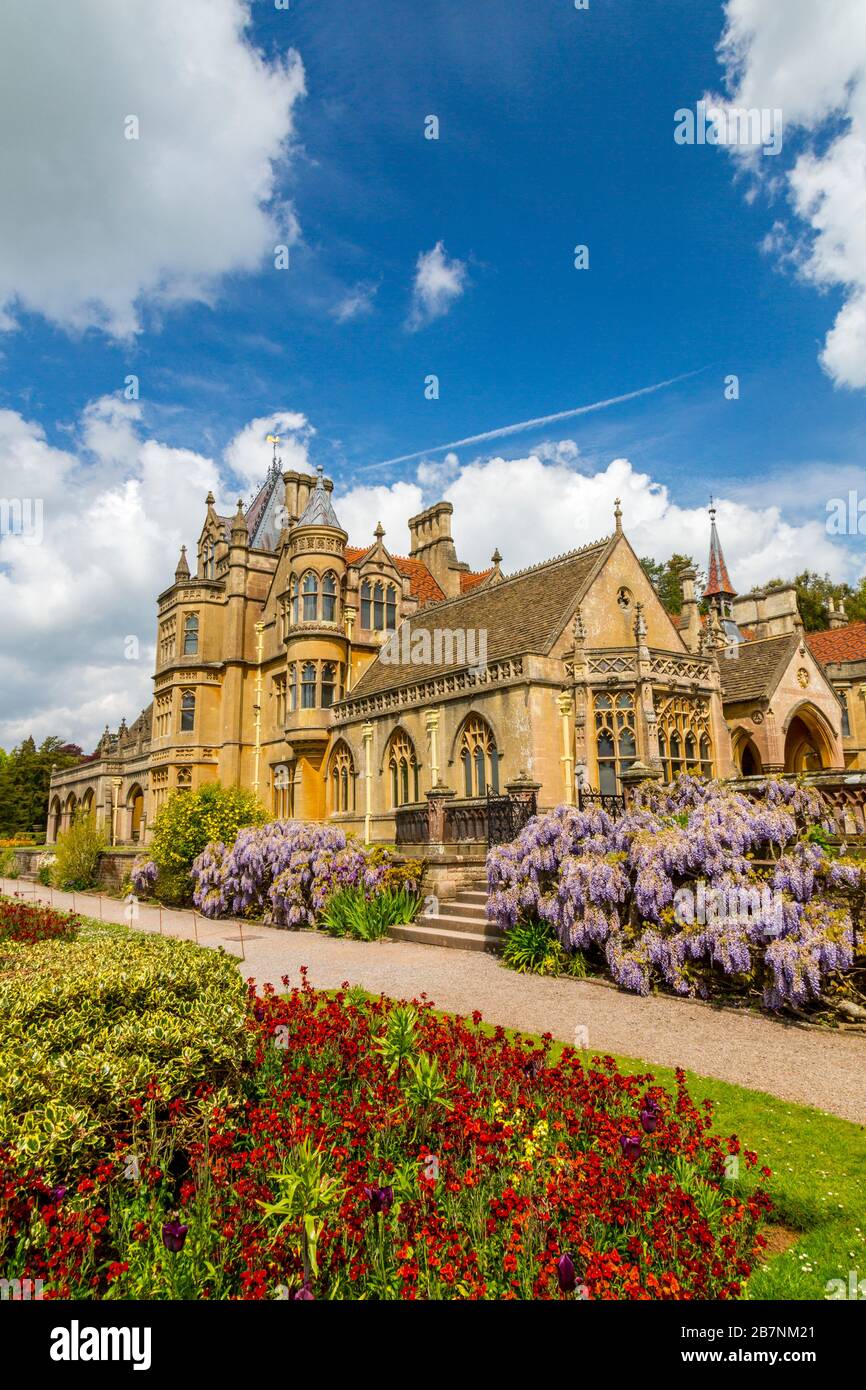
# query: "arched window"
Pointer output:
{"type": "Point", "coordinates": [479, 757]}
{"type": "Point", "coordinates": [403, 768]}
{"type": "Point", "coordinates": [293, 688]}
{"type": "Point", "coordinates": [190, 634]}
{"type": "Point", "coordinates": [614, 739]}
{"type": "Point", "coordinates": [378, 605]}
{"type": "Point", "coordinates": [310, 590]}
{"type": "Point", "coordinates": [308, 685]}
{"type": "Point", "coordinates": [187, 712]}
{"type": "Point", "coordinates": [391, 609]}
{"type": "Point", "coordinates": [366, 606]}
{"type": "Point", "coordinates": [329, 684]}
{"type": "Point", "coordinates": [342, 780]}
{"type": "Point", "coordinates": [706, 757]}
{"type": "Point", "coordinates": [329, 598]}
{"type": "Point", "coordinates": [294, 601]}
{"type": "Point", "coordinates": [209, 559]}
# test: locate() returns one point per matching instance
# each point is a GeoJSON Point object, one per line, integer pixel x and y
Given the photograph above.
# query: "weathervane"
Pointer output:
{"type": "Point", "coordinates": [275, 439]}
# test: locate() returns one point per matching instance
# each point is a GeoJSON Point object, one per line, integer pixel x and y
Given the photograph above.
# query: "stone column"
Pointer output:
{"type": "Point", "coordinates": [116, 783]}
{"type": "Point", "coordinates": [636, 777]}
{"type": "Point", "coordinates": [580, 673]}
{"type": "Point", "coordinates": [437, 798]}
{"type": "Point", "coordinates": [645, 714]}
{"type": "Point", "coordinates": [367, 736]}
{"type": "Point", "coordinates": [564, 704]}
{"type": "Point", "coordinates": [431, 721]}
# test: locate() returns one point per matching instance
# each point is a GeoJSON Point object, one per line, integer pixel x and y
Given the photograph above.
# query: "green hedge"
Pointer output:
{"type": "Point", "coordinates": [86, 1024]}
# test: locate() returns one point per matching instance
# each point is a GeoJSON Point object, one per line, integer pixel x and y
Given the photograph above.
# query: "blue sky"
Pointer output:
{"type": "Point", "coordinates": [556, 128]}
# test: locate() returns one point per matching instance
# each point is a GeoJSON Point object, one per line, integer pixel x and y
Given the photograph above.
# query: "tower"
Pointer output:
{"type": "Point", "coordinates": [720, 592]}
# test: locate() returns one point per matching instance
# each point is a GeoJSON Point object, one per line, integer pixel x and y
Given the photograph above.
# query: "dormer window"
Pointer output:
{"type": "Point", "coordinates": [378, 606]}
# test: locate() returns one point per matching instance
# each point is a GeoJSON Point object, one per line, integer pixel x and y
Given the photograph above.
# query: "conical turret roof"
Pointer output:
{"type": "Point", "coordinates": [318, 511]}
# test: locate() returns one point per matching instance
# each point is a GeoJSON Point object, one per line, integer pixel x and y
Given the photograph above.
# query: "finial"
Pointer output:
{"type": "Point", "coordinates": [639, 622]}
{"type": "Point", "coordinates": [578, 628]}
{"type": "Point", "coordinates": [274, 439]}
{"type": "Point", "coordinates": [321, 472]}
{"type": "Point", "coordinates": [182, 571]}
{"type": "Point", "coordinates": [496, 557]}
{"type": "Point", "coordinates": [617, 514]}
{"type": "Point", "coordinates": [712, 508]}
{"type": "Point", "coordinates": [209, 500]}
{"type": "Point", "coordinates": [379, 531]}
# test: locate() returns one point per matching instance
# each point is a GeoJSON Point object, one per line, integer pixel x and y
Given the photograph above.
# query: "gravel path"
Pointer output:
{"type": "Point", "coordinates": [823, 1069]}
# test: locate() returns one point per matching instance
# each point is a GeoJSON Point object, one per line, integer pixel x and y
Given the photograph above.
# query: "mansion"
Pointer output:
{"type": "Point", "coordinates": [391, 694]}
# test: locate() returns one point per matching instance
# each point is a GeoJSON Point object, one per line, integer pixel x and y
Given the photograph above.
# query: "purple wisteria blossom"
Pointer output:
{"type": "Point", "coordinates": [771, 911]}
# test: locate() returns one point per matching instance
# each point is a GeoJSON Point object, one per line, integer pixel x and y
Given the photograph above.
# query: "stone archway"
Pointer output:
{"type": "Point", "coordinates": [55, 820]}
{"type": "Point", "coordinates": [135, 807]}
{"type": "Point", "coordinates": [808, 744]}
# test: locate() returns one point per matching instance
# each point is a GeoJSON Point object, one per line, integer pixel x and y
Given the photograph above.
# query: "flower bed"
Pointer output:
{"type": "Point", "coordinates": [376, 1150]}
{"type": "Point", "coordinates": [26, 922]}
{"type": "Point", "coordinates": [674, 893]}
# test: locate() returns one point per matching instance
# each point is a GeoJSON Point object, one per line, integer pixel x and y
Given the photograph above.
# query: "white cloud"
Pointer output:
{"type": "Point", "coordinates": [93, 225]}
{"type": "Point", "coordinates": [438, 283]}
{"type": "Point", "coordinates": [249, 453]}
{"type": "Point", "coordinates": [118, 503]}
{"type": "Point", "coordinates": [357, 303]}
{"type": "Point", "coordinates": [809, 60]}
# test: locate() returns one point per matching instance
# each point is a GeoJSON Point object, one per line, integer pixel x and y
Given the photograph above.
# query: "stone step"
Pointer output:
{"type": "Point", "coordinates": [443, 936]}
{"type": "Point", "coordinates": [476, 912]}
{"type": "Point", "coordinates": [455, 922]}
{"type": "Point", "coordinates": [472, 895]}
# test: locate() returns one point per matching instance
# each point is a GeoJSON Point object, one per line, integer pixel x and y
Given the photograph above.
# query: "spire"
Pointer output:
{"type": "Point", "coordinates": [617, 516]}
{"type": "Point", "coordinates": [182, 571]}
{"type": "Point", "coordinates": [318, 511]}
{"type": "Point", "coordinates": [718, 580]}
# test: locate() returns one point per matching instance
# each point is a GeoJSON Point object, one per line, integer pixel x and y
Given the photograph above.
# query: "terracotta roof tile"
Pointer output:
{"type": "Point", "coordinates": [421, 582]}
{"type": "Point", "coordinates": [471, 581]}
{"type": "Point", "coordinates": [839, 643]}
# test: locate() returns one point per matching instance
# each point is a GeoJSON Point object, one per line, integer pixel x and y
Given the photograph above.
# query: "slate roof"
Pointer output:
{"type": "Point", "coordinates": [839, 644]}
{"type": "Point", "coordinates": [521, 614]}
{"type": "Point", "coordinates": [757, 669]}
{"type": "Point", "coordinates": [319, 511]}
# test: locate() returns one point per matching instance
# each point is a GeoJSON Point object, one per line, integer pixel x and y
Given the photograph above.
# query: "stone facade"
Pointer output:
{"type": "Point", "coordinates": [390, 693]}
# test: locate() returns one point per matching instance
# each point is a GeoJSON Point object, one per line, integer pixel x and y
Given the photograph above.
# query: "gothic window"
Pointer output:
{"type": "Point", "coordinates": [329, 598]}
{"type": "Point", "coordinates": [209, 559]}
{"type": "Point", "coordinates": [190, 634]}
{"type": "Point", "coordinates": [187, 712]}
{"type": "Point", "coordinates": [403, 769]}
{"type": "Point", "coordinates": [293, 688]}
{"type": "Point", "coordinates": [163, 716]}
{"type": "Point", "coordinates": [308, 685]}
{"type": "Point", "coordinates": [310, 589]}
{"type": "Point", "coordinates": [293, 600]}
{"type": "Point", "coordinates": [281, 791]}
{"type": "Point", "coordinates": [615, 744]}
{"type": "Point", "coordinates": [479, 757]}
{"type": "Point", "coordinates": [684, 736]}
{"type": "Point", "coordinates": [166, 640]}
{"type": "Point", "coordinates": [329, 684]}
{"type": "Point", "coordinates": [280, 700]}
{"type": "Point", "coordinates": [378, 606]}
{"type": "Point", "coordinates": [342, 780]}
{"type": "Point", "coordinates": [846, 716]}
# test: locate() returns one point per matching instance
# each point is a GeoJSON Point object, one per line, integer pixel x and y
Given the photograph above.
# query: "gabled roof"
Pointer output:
{"type": "Point", "coordinates": [521, 614]}
{"type": "Point", "coordinates": [422, 585]}
{"type": "Point", "coordinates": [471, 581]}
{"type": "Point", "coordinates": [757, 668]}
{"type": "Point", "coordinates": [838, 644]}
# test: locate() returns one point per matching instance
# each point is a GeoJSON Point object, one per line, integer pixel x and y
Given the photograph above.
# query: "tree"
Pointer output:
{"type": "Point", "coordinates": [814, 592]}
{"type": "Point", "coordinates": [665, 579]}
{"type": "Point", "coordinates": [24, 777]}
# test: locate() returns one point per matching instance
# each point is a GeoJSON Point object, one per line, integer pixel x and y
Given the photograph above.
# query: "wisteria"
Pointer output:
{"type": "Point", "coordinates": [285, 872]}
{"type": "Point", "coordinates": [143, 874]}
{"type": "Point", "coordinates": [696, 887]}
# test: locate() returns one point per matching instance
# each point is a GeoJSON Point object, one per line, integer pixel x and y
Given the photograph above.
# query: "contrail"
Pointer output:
{"type": "Point", "coordinates": [532, 424]}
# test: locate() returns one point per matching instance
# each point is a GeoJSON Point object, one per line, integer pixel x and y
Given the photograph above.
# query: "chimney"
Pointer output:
{"type": "Point", "coordinates": [430, 542]}
{"type": "Point", "coordinates": [690, 619]}
{"type": "Point", "coordinates": [837, 616]}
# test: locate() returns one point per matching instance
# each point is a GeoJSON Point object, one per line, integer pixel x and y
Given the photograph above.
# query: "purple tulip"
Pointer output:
{"type": "Point", "coordinates": [566, 1274]}
{"type": "Point", "coordinates": [58, 1193]}
{"type": "Point", "coordinates": [381, 1199]}
{"type": "Point", "coordinates": [630, 1145]}
{"type": "Point", "coordinates": [173, 1236]}
{"type": "Point", "coordinates": [304, 1294]}
{"type": "Point", "coordinates": [649, 1120]}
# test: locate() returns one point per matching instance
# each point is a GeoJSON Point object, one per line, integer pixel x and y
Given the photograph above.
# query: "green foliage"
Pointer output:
{"type": "Point", "coordinates": [85, 1024]}
{"type": "Point", "coordinates": [814, 592]}
{"type": "Point", "coordinates": [189, 821]}
{"type": "Point", "coordinates": [76, 854]}
{"type": "Point", "coordinates": [407, 874]}
{"type": "Point", "coordinates": [24, 777]}
{"type": "Point", "coordinates": [533, 948]}
{"type": "Point", "coordinates": [8, 864]}
{"type": "Point", "coordinates": [350, 913]}
{"type": "Point", "coordinates": [665, 579]}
